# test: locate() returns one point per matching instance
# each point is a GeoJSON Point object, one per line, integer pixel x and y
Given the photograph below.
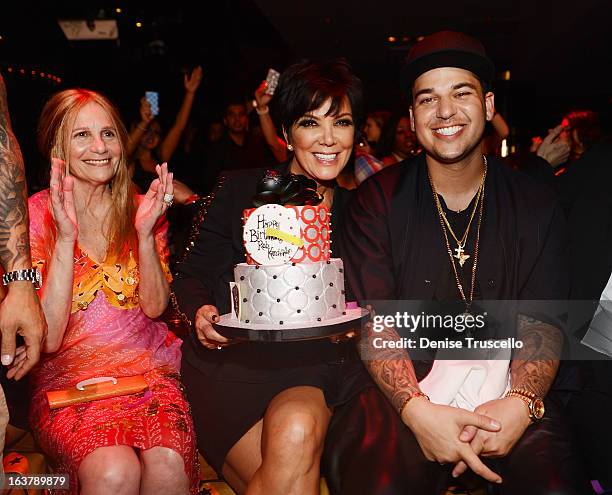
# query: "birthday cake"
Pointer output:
{"type": "Point", "coordinates": [288, 276]}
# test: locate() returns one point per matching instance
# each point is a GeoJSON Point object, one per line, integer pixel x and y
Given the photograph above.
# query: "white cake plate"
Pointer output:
{"type": "Point", "coordinates": [269, 332]}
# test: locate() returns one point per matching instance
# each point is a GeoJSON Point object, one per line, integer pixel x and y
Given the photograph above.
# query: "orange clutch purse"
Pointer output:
{"type": "Point", "coordinates": [96, 389]}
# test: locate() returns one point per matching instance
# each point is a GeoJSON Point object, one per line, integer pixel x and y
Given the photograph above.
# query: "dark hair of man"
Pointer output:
{"type": "Point", "coordinates": [305, 86]}
{"type": "Point", "coordinates": [234, 102]}
{"type": "Point", "coordinates": [586, 124]}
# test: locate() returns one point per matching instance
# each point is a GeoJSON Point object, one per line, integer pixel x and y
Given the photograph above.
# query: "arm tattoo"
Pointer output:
{"type": "Point", "coordinates": [391, 369]}
{"type": "Point", "coordinates": [535, 365]}
{"type": "Point", "coordinates": [14, 236]}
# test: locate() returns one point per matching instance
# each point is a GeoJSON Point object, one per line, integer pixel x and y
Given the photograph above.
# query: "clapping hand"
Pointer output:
{"type": "Point", "coordinates": [62, 202]}
{"type": "Point", "coordinates": [554, 148]}
{"type": "Point", "coordinates": [192, 81]}
{"type": "Point", "coordinates": [155, 202]}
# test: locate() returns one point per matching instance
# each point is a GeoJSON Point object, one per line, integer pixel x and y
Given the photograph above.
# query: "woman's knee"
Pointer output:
{"type": "Point", "coordinates": [162, 463]}
{"type": "Point", "coordinates": [295, 432]}
{"type": "Point", "coordinates": [110, 469]}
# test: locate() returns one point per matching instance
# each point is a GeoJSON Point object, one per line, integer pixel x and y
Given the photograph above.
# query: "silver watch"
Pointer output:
{"type": "Point", "coordinates": [29, 274]}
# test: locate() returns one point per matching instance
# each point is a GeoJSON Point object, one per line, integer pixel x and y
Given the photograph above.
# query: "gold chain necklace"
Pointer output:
{"type": "Point", "coordinates": [460, 256]}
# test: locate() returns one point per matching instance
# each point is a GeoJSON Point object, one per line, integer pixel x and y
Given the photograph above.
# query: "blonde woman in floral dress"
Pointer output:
{"type": "Point", "coordinates": [103, 254]}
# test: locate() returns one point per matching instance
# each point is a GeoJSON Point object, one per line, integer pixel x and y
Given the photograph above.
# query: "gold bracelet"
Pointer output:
{"type": "Point", "coordinates": [407, 399]}
{"type": "Point", "coordinates": [520, 391]}
{"type": "Point", "coordinates": [262, 112]}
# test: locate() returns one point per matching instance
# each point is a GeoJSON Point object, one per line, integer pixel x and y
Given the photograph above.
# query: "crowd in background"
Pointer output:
{"type": "Point", "coordinates": [572, 158]}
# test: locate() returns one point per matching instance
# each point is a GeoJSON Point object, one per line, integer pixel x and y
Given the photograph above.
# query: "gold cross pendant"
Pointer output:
{"type": "Point", "coordinates": [461, 256]}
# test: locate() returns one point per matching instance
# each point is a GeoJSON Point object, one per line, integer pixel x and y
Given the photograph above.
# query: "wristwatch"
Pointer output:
{"type": "Point", "coordinates": [534, 403]}
{"type": "Point", "coordinates": [28, 274]}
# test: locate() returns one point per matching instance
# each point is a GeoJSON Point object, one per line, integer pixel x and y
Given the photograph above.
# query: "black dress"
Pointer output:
{"type": "Point", "coordinates": [230, 389]}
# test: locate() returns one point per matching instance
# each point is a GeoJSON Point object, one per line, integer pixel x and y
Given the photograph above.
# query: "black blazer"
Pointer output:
{"type": "Point", "coordinates": [216, 244]}
{"type": "Point", "coordinates": [392, 244]}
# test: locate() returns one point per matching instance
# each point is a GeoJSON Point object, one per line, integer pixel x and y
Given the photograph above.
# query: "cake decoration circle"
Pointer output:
{"type": "Point", "coordinates": [272, 235]}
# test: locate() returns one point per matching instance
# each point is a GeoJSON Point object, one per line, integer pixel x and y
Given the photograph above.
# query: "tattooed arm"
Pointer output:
{"type": "Point", "coordinates": [391, 369]}
{"type": "Point", "coordinates": [20, 311]}
{"type": "Point", "coordinates": [535, 365]}
{"type": "Point", "coordinates": [436, 427]}
{"type": "Point", "coordinates": [14, 238]}
{"type": "Point", "coordinates": [533, 368]}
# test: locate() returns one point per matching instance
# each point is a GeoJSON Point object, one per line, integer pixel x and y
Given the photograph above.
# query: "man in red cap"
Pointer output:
{"type": "Point", "coordinates": [459, 227]}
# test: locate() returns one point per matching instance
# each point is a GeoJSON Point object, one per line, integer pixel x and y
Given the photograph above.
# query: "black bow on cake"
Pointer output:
{"type": "Point", "coordinates": [287, 190]}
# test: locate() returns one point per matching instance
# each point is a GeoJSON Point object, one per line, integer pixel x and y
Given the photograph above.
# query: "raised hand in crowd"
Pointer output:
{"type": "Point", "coordinates": [138, 130]}
{"type": "Point", "coordinates": [277, 145]}
{"type": "Point", "coordinates": [145, 136]}
{"type": "Point", "coordinates": [192, 81]}
{"type": "Point", "coordinates": [553, 148]}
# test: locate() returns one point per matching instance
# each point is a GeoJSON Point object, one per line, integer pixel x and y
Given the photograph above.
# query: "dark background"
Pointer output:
{"type": "Point", "coordinates": [558, 54]}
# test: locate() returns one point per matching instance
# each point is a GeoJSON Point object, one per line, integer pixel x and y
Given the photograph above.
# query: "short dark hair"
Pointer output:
{"type": "Point", "coordinates": [305, 86]}
{"type": "Point", "coordinates": [586, 125]}
{"type": "Point", "coordinates": [234, 102]}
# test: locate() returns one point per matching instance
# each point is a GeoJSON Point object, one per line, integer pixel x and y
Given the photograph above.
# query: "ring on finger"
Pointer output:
{"type": "Point", "coordinates": [168, 199]}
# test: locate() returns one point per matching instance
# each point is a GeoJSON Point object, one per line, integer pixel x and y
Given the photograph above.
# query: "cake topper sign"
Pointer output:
{"type": "Point", "coordinates": [272, 235]}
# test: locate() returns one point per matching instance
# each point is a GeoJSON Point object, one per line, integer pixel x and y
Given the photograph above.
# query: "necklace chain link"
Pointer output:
{"type": "Point", "coordinates": [444, 223]}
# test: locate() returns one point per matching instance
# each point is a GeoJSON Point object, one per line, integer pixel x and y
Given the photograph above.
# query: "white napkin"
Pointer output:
{"type": "Point", "coordinates": [468, 383]}
{"type": "Point", "coordinates": [599, 335]}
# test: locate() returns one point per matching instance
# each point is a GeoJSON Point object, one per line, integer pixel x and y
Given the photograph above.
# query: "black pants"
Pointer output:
{"type": "Point", "coordinates": [370, 451]}
{"type": "Point", "coordinates": [590, 412]}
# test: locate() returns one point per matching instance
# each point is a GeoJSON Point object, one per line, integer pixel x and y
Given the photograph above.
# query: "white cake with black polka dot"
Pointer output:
{"type": "Point", "coordinates": [297, 292]}
{"type": "Point", "coordinates": [278, 285]}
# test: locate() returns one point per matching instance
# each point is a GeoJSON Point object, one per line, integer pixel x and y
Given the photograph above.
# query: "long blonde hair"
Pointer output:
{"type": "Point", "coordinates": [54, 133]}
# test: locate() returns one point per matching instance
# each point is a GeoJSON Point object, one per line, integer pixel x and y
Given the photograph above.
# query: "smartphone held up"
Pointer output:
{"type": "Point", "coordinates": [272, 81]}
{"type": "Point", "coordinates": [153, 99]}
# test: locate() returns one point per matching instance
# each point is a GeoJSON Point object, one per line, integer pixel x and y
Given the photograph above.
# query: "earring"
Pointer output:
{"type": "Point", "coordinates": [290, 147]}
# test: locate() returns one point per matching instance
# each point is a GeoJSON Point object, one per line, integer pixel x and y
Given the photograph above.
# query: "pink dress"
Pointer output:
{"type": "Point", "coordinates": [109, 335]}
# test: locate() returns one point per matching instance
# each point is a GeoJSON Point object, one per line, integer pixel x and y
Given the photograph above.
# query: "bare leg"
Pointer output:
{"type": "Point", "coordinates": [107, 470]}
{"type": "Point", "coordinates": [293, 435]}
{"type": "Point", "coordinates": [244, 459]}
{"type": "Point", "coordinates": [163, 472]}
